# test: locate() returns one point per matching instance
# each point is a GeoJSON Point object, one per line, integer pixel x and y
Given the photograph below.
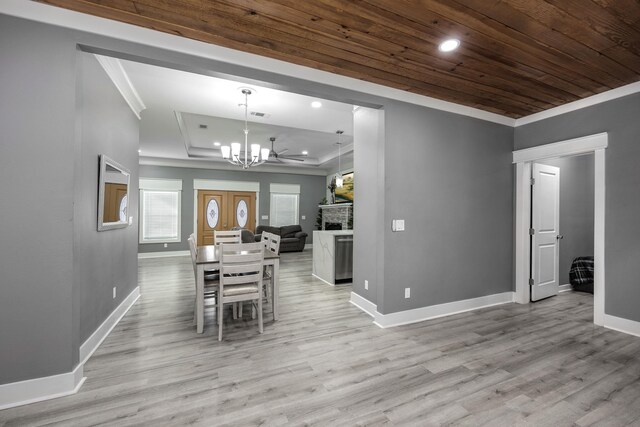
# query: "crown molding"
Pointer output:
{"type": "Point", "coordinates": [223, 165]}
{"type": "Point", "coordinates": [91, 24]}
{"type": "Point", "coordinates": [118, 30]}
{"type": "Point", "coordinates": [120, 78]}
{"type": "Point", "coordinates": [580, 104]}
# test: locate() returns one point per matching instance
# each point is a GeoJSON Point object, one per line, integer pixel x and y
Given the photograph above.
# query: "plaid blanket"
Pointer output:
{"type": "Point", "coordinates": [581, 274]}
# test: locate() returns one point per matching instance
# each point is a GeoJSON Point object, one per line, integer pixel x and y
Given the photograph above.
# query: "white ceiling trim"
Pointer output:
{"type": "Point", "coordinates": [208, 164]}
{"type": "Point", "coordinates": [346, 149]}
{"type": "Point", "coordinates": [118, 30]}
{"type": "Point", "coordinates": [119, 77]}
{"type": "Point", "coordinates": [580, 104]}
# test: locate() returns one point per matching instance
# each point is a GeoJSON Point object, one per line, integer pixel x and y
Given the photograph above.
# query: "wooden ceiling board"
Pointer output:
{"type": "Point", "coordinates": [517, 57]}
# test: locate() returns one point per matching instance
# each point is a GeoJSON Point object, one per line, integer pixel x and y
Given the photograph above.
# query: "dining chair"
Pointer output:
{"type": "Point", "coordinates": [227, 236]}
{"type": "Point", "coordinates": [241, 270]}
{"type": "Point", "coordinates": [272, 245]}
{"type": "Point", "coordinates": [211, 278]}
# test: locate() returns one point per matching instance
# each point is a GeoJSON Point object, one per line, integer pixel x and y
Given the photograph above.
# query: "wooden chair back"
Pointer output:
{"type": "Point", "coordinates": [230, 236]}
{"type": "Point", "coordinates": [274, 243]}
{"type": "Point", "coordinates": [241, 267]}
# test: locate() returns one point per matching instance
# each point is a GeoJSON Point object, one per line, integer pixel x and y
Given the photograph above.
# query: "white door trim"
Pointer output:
{"type": "Point", "coordinates": [522, 159]}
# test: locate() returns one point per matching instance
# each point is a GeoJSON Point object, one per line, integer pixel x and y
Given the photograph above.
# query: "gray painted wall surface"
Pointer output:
{"type": "Point", "coordinates": [368, 213]}
{"type": "Point", "coordinates": [311, 193]}
{"type": "Point", "coordinates": [37, 118]}
{"type": "Point", "coordinates": [108, 258]}
{"type": "Point", "coordinates": [450, 178]}
{"type": "Point", "coordinates": [51, 258]}
{"type": "Point", "coordinates": [576, 209]}
{"type": "Point", "coordinates": [619, 118]}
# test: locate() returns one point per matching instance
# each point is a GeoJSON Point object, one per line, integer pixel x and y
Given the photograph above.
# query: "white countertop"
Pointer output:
{"type": "Point", "coordinates": [335, 232]}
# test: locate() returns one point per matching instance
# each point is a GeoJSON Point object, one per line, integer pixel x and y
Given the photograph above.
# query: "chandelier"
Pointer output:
{"type": "Point", "coordinates": [339, 179]}
{"type": "Point", "coordinates": [245, 159]}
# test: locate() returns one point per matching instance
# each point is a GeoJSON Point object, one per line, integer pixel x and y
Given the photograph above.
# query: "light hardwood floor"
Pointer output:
{"type": "Point", "coordinates": [325, 363]}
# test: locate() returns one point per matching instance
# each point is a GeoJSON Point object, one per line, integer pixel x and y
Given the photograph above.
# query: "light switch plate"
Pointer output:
{"type": "Point", "coordinates": [397, 225]}
{"type": "Point", "coordinates": [366, 285]}
{"type": "Point", "coordinates": [407, 292]}
{"type": "Point", "coordinates": [265, 217]}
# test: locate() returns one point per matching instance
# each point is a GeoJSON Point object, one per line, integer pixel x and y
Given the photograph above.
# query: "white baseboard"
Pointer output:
{"type": "Point", "coordinates": [620, 324]}
{"type": "Point", "coordinates": [564, 288]}
{"type": "Point", "coordinates": [321, 279]}
{"type": "Point", "coordinates": [431, 312]}
{"type": "Point", "coordinates": [93, 342]}
{"type": "Point", "coordinates": [39, 389]}
{"type": "Point", "coordinates": [45, 388]}
{"type": "Point", "coordinates": [364, 304]}
{"type": "Point", "coordinates": [165, 254]}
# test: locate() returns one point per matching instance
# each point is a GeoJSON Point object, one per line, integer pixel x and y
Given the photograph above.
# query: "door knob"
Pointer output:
{"type": "Point", "coordinates": [559, 237]}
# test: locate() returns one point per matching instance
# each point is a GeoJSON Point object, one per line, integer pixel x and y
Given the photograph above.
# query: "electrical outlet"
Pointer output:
{"type": "Point", "coordinates": [265, 217]}
{"type": "Point", "coordinates": [165, 245]}
{"type": "Point", "coordinates": [407, 292]}
{"type": "Point", "coordinates": [114, 292]}
{"type": "Point", "coordinates": [304, 217]}
{"type": "Point", "coordinates": [366, 285]}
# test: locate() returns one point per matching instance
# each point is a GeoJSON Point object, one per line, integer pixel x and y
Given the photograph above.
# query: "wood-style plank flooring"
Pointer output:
{"type": "Point", "coordinates": [325, 363]}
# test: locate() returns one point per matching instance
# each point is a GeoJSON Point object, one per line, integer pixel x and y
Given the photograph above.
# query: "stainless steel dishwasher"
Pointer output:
{"type": "Point", "coordinates": [344, 258]}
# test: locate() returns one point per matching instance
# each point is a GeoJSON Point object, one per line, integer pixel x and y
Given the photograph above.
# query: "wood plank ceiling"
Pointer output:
{"type": "Point", "coordinates": [517, 57]}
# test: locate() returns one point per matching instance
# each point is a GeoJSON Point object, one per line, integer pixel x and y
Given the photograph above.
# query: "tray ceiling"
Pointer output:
{"type": "Point", "coordinates": [517, 57]}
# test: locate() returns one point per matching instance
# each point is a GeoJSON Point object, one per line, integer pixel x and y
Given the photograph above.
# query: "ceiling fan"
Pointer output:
{"type": "Point", "coordinates": [281, 156]}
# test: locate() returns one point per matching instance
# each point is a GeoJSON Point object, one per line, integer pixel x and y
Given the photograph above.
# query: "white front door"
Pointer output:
{"type": "Point", "coordinates": [545, 223]}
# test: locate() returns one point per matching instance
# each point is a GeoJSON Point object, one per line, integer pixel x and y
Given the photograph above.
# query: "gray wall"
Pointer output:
{"type": "Point", "coordinates": [368, 206]}
{"type": "Point", "coordinates": [622, 207]}
{"type": "Point", "coordinates": [311, 193]}
{"type": "Point", "coordinates": [37, 118]}
{"type": "Point", "coordinates": [48, 164]}
{"type": "Point", "coordinates": [576, 209]}
{"type": "Point", "coordinates": [104, 259]}
{"type": "Point", "coordinates": [450, 178]}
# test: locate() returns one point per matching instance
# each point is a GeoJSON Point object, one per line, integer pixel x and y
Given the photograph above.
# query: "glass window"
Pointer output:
{"type": "Point", "coordinates": [159, 216]}
{"type": "Point", "coordinates": [284, 209]}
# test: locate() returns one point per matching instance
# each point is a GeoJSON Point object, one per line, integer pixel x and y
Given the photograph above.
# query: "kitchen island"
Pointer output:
{"type": "Point", "coordinates": [333, 256]}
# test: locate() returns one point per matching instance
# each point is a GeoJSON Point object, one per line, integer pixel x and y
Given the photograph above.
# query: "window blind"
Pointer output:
{"type": "Point", "coordinates": [160, 216]}
{"type": "Point", "coordinates": [284, 209]}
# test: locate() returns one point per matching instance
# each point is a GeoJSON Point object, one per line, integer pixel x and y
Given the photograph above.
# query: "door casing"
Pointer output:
{"type": "Point", "coordinates": [523, 159]}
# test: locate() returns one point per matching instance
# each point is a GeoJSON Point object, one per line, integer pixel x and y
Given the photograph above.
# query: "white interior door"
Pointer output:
{"type": "Point", "coordinates": [545, 223]}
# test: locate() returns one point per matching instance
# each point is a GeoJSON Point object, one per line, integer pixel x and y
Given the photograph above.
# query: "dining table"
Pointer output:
{"type": "Point", "coordinates": [208, 258]}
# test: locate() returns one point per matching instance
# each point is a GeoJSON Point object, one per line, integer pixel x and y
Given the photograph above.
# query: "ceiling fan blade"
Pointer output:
{"type": "Point", "coordinates": [291, 158]}
{"type": "Point", "coordinates": [283, 151]}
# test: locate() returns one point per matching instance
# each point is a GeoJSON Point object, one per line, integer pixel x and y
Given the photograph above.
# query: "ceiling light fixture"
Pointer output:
{"type": "Point", "coordinates": [316, 104]}
{"type": "Point", "coordinates": [449, 45]}
{"type": "Point", "coordinates": [216, 144]}
{"type": "Point", "coordinates": [339, 180]}
{"type": "Point", "coordinates": [232, 154]}
{"type": "Point", "coordinates": [305, 152]}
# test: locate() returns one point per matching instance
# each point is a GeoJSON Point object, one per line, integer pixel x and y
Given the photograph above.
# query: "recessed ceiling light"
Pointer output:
{"type": "Point", "coordinates": [217, 144]}
{"type": "Point", "coordinates": [449, 45]}
{"type": "Point", "coordinates": [305, 152]}
{"type": "Point", "coordinates": [139, 151]}
{"type": "Point", "coordinates": [316, 104]}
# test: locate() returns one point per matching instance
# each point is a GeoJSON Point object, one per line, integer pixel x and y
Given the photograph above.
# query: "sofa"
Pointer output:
{"type": "Point", "coordinates": [292, 238]}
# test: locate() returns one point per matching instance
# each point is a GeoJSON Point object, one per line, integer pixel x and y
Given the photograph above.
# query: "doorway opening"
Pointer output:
{"type": "Point", "coordinates": [562, 203]}
{"type": "Point", "coordinates": [524, 160]}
